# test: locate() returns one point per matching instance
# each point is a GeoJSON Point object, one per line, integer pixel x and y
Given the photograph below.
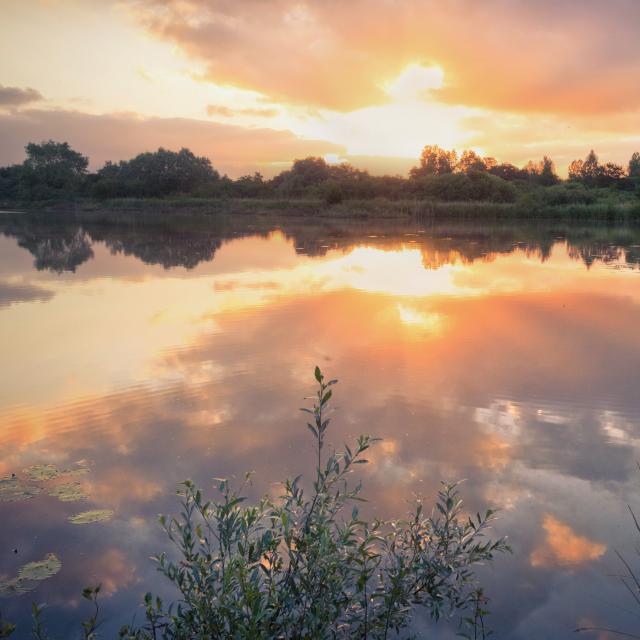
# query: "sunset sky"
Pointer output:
{"type": "Point", "coordinates": [253, 84]}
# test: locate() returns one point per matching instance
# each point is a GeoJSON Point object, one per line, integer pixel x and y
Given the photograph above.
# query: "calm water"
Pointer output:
{"type": "Point", "coordinates": [505, 355]}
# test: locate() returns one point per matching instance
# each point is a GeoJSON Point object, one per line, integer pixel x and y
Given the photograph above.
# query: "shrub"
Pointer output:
{"type": "Point", "coordinates": [562, 194]}
{"type": "Point", "coordinates": [474, 186]}
{"type": "Point", "coordinates": [332, 193]}
{"type": "Point", "coordinates": [307, 565]}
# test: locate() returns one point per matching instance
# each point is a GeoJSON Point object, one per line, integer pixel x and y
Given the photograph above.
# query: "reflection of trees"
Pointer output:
{"type": "Point", "coordinates": [595, 252]}
{"type": "Point", "coordinates": [63, 244]}
{"type": "Point", "coordinates": [55, 247]}
{"type": "Point", "coordinates": [166, 247]}
{"type": "Point", "coordinates": [63, 254]}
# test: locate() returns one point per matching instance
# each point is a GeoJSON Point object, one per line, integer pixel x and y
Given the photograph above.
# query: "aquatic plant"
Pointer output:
{"type": "Point", "coordinates": [308, 565]}
{"type": "Point", "coordinates": [87, 517]}
{"type": "Point", "coordinates": [29, 576]}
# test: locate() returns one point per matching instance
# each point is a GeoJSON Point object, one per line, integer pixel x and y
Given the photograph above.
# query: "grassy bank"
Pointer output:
{"type": "Point", "coordinates": [627, 209]}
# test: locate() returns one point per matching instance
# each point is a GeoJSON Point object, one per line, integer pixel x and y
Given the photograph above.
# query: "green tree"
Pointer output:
{"type": "Point", "coordinates": [53, 169]}
{"type": "Point", "coordinates": [634, 166]}
{"type": "Point", "coordinates": [586, 170]}
{"type": "Point", "coordinates": [156, 174]}
{"type": "Point", "coordinates": [590, 168]}
{"type": "Point", "coordinates": [609, 174]}
{"type": "Point", "coordinates": [507, 171]}
{"type": "Point", "coordinates": [548, 175]}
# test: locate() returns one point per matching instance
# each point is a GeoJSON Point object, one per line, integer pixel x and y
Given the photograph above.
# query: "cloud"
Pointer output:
{"type": "Point", "coordinates": [16, 97]}
{"type": "Point", "coordinates": [527, 57]}
{"type": "Point", "coordinates": [563, 547]}
{"type": "Point", "coordinates": [228, 112]}
{"type": "Point", "coordinates": [13, 293]}
{"type": "Point", "coordinates": [518, 138]}
{"type": "Point", "coordinates": [234, 150]}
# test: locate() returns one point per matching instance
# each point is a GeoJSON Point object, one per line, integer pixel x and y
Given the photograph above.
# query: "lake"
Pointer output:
{"type": "Point", "coordinates": [136, 355]}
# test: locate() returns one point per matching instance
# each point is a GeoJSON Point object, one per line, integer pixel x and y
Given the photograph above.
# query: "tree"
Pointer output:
{"type": "Point", "coordinates": [435, 161]}
{"type": "Point", "coordinates": [590, 168]}
{"type": "Point", "coordinates": [249, 186]}
{"type": "Point", "coordinates": [311, 171]}
{"type": "Point", "coordinates": [470, 161]}
{"type": "Point", "coordinates": [543, 172]}
{"type": "Point", "coordinates": [634, 166]}
{"type": "Point", "coordinates": [11, 181]}
{"type": "Point", "coordinates": [575, 170]}
{"type": "Point", "coordinates": [155, 174]}
{"type": "Point", "coordinates": [304, 173]}
{"type": "Point", "coordinates": [489, 163]}
{"type": "Point", "coordinates": [609, 174]}
{"type": "Point", "coordinates": [548, 175]}
{"type": "Point", "coordinates": [586, 170]}
{"type": "Point", "coordinates": [507, 171]}
{"type": "Point", "coordinates": [53, 168]}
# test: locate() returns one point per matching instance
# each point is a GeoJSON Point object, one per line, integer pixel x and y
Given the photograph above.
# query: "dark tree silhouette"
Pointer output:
{"type": "Point", "coordinates": [159, 173]}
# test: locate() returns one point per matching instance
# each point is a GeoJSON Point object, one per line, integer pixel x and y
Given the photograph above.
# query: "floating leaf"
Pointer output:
{"type": "Point", "coordinates": [79, 468]}
{"type": "Point", "coordinates": [87, 517]}
{"type": "Point", "coordinates": [42, 472]}
{"type": "Point", "coordinates": [68, 492]}
{"type": "Point", "coordinates": [40, 570]}
{"type": "Point", "coordinates": [29, 576]}
{"type": "Point", "coordinates": [14, 490]}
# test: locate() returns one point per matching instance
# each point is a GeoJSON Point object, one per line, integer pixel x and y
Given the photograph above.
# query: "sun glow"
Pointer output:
{"type": "Point", "coordinates": [399, 127]}
{"type": "Point", "coordinates": [429, 322]}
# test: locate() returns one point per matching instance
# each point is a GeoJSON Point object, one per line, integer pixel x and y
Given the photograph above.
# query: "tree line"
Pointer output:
{"type": "Point", "coordinates": [53, 170]}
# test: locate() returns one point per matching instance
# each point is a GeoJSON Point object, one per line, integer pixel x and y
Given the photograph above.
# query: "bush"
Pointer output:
{"type": "Point", "coordinates": [332, 193]}
{"type": "Point", "coordinates": [474, 186]}
{"type": "Point", "coordinates": [307, 565]}
{"type": "Point", "coordinates": [563, 194]}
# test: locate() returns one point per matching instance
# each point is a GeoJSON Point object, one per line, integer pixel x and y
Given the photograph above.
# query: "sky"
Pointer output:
{"type": "Point", "coordinates": [254, 84]}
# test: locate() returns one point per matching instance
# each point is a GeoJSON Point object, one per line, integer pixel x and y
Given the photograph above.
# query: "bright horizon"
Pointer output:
{"type": "Point", "coordinates": [253, 85]}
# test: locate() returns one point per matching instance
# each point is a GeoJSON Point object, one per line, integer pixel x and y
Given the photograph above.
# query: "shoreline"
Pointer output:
{"type": "Point", "coordinates": [316, 208]}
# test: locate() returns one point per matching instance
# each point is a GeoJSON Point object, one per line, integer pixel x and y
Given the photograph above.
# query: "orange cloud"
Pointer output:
{"type": "Point", "coordinates": [228, 112]}
{"type": "Point", "coordinates": [562, 547]}
{"type": "Point", "coordinates": [543, 56]}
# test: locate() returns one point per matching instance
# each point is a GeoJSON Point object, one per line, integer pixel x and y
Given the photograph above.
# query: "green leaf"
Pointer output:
{"type": "Point", "coordinates": [88, 517]}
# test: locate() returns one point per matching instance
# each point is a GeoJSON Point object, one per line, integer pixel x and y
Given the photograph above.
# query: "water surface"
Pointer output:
{"type": "Point", "coordinates": [507, 355]}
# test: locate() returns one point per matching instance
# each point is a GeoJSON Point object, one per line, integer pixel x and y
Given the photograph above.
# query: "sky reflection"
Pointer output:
{"type": "Point", "coordinates": [505, 359]}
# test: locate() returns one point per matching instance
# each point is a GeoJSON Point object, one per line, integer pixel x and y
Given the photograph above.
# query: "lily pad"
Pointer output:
{"type": "Point", "coordinates": [41, 569]}
{"type": "Point", "coordinates": [42, 472]}
{"type": "Point", "coordinates": [68, 492]}
{"type": "Point", "coordinates": [14, 490]}
{"type": "Point", "coordinates": [87, 517]}
{"type": "Point", "coordinates": [77, 469]}
{"type": "Point", "coordinates": [29, 576]}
